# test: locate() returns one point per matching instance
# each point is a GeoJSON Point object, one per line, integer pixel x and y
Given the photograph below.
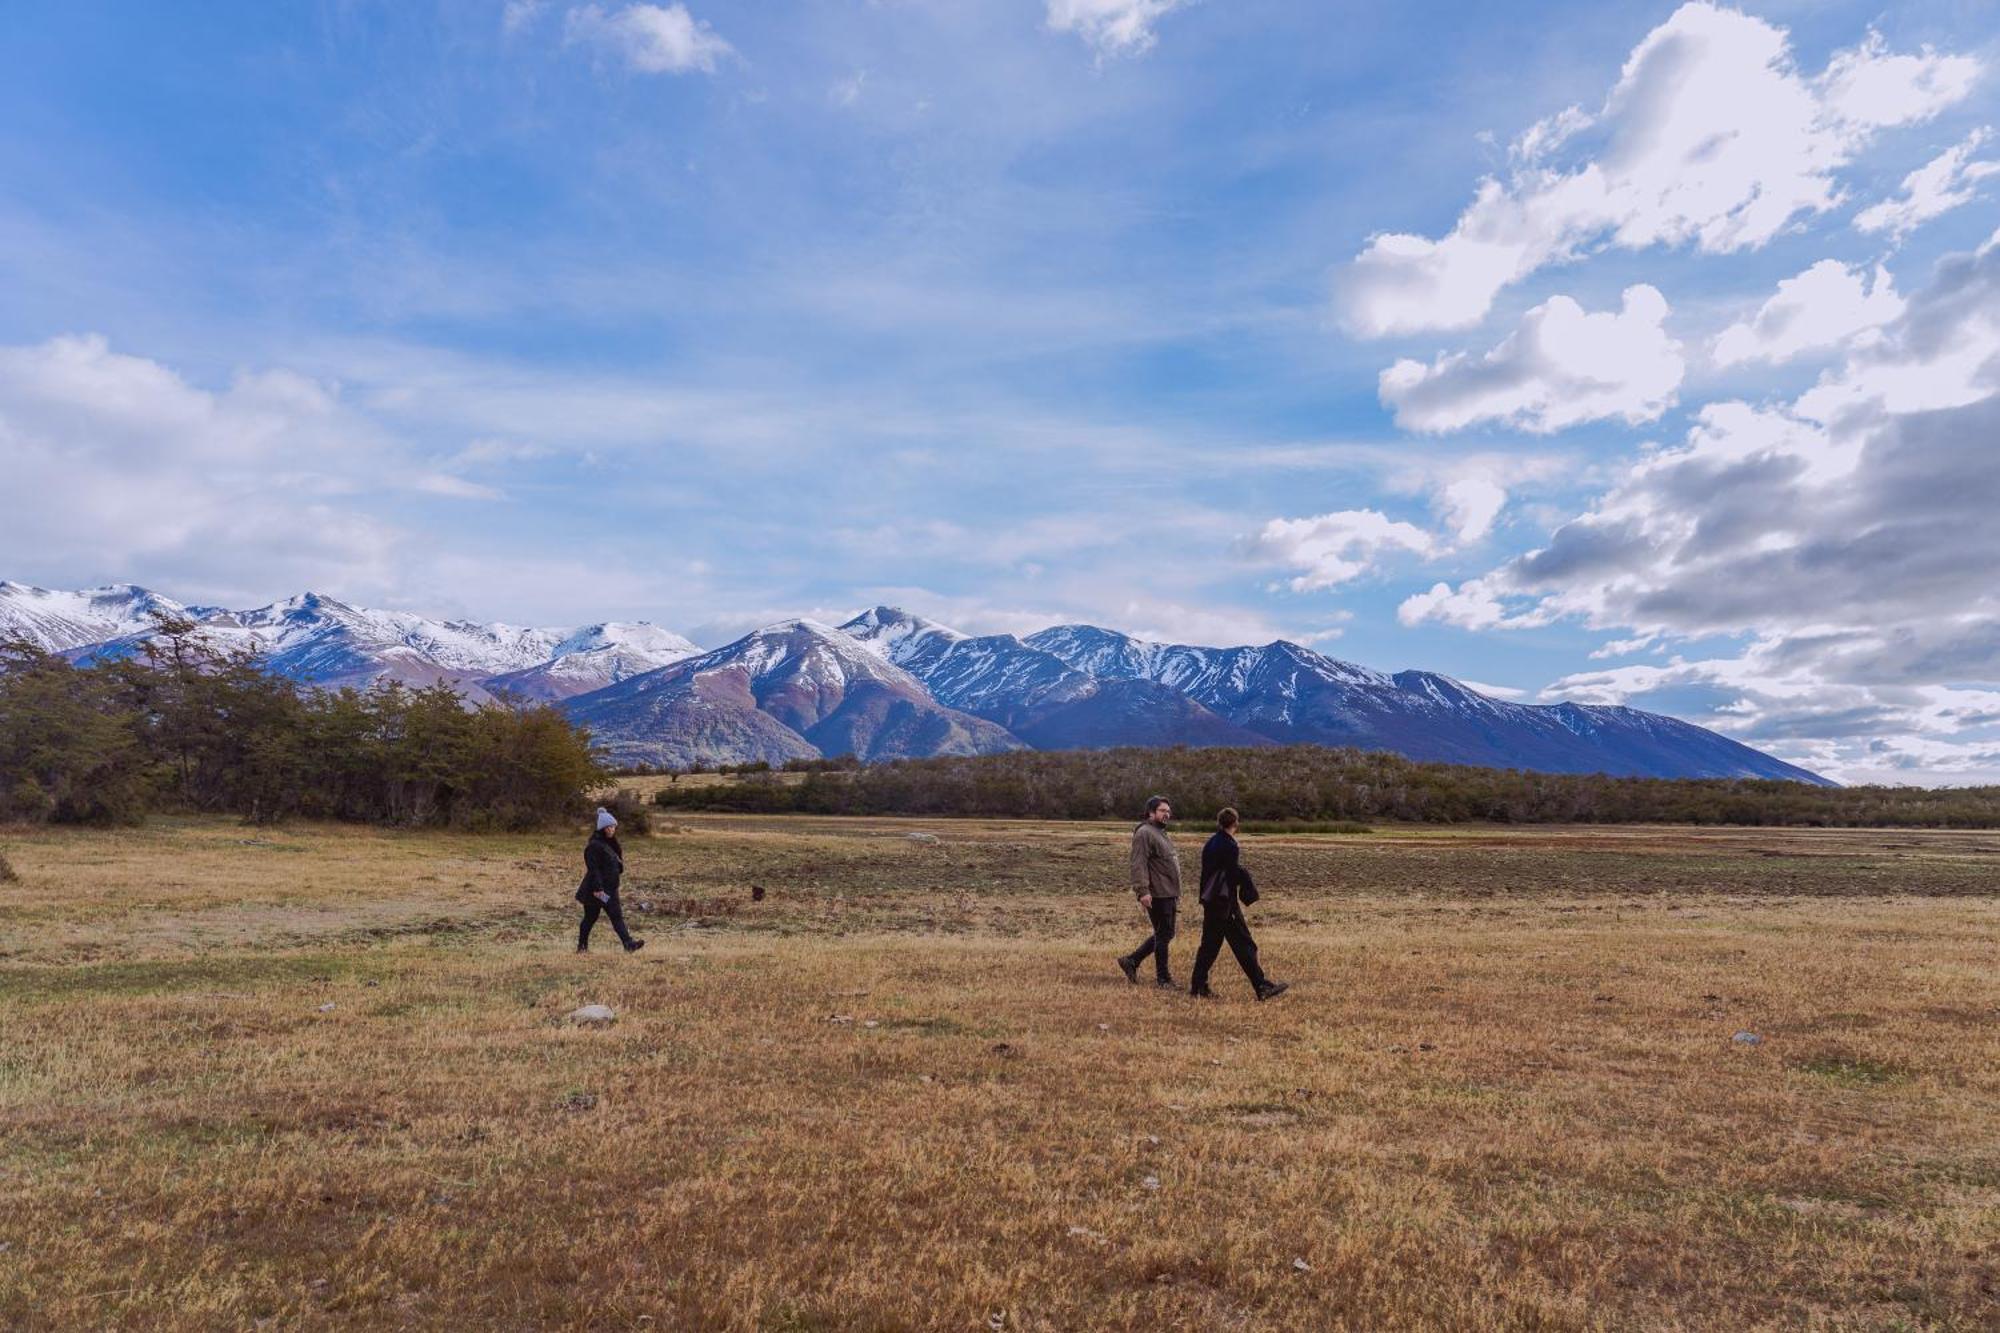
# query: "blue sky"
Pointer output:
{"type": "Point", "coordinates": [1022, 311]}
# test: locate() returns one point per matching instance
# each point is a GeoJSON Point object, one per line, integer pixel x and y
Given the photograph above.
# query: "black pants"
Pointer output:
{"type": "Point", "coordinates": [591, 908]}
{"type": "Point", "coordinates": [1224, 921]}
{"type": "Point", "coordinates": [1162, 914]}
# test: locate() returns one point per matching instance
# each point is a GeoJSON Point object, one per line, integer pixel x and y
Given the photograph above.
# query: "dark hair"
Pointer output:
{"type": "Point", "coordinates": [1155, 802]}
{"type": "Point", "coordinates": [1226, 818]}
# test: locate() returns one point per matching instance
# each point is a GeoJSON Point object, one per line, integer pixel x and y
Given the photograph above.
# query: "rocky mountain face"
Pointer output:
{"type": "Point", "coordinates": [1036, 694]}
{"type": "Point", "coordinates": [593, 658]}
{"type": "Point", "coordinates": [888, 684]}
{"type": "Point", "coordinates": [793, 690]}
{"type": "Point", "coordinates": [1291, 694]}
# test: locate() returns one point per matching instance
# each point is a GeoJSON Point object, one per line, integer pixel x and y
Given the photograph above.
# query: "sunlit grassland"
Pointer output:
{"type": "Point", "coordinates": [908, 1089]}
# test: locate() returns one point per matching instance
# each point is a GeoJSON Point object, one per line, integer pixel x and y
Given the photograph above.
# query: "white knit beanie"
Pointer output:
{"type": "Point", "coordinates": [605, 819]}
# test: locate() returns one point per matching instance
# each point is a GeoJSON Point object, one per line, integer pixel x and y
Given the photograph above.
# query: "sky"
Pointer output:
{"type": "Point", "coordinates": [1619, 353]}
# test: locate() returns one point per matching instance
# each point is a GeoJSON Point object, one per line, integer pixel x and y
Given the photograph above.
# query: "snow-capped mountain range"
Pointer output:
{"type": "Point", "coordinates": [331, 643]}
{"type": "Point", "coordinates": [888, 684]}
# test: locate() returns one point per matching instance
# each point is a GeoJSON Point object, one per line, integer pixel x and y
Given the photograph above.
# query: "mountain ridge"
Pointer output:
{"type": "Point", "coordinates": [888, 683]}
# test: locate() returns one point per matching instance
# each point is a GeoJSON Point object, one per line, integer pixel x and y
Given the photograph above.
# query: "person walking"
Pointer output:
{"type": "Point", "coordinates": [1156, 881]}
{"type": "Point", "coordinates": [603, 867]}
{"type": "Point", "coordinates": [1225, 886]}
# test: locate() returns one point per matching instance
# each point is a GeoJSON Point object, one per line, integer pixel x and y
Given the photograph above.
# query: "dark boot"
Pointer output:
{"type": "Point", "coordinates": [1130, 967]}
{"type": "Point", "coordinates": [1271, 990]}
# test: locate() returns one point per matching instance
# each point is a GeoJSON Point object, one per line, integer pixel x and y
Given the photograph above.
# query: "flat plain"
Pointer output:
{"type": "Point", "coordinates": [317, 1076]}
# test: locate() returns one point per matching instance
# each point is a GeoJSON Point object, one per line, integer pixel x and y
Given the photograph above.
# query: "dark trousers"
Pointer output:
{"type": "Point", "coordinates": [1162, 914]}
{"type": "Point", "coordinates": [591, 909]}
{"type": "Point", "coordinates": [1219, 922]}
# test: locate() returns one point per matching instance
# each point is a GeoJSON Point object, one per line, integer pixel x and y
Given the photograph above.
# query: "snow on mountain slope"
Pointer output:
{"type": "Point", "coordinates": [890, 684]}
{"type": "Point", "coordinates": [1291, 694]}
{"type": "Point", "coordinates": [826, 693]}
{"type": "Point", "coordinates": [594, 657]}
{"type": "Point", "coordinates": [1038, 696]}
{"type": "Point", "coordinates": [58, 621]}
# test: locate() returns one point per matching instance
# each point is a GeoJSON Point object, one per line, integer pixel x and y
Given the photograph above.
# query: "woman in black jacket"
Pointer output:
{"type": "Point", "coordinates": [603, 867]}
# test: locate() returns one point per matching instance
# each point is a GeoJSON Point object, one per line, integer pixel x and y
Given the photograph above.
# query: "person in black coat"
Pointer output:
{"type": "Point", "coordinates": [1224, 886]}
{"type": "Point", "coordinates": [603, 867]}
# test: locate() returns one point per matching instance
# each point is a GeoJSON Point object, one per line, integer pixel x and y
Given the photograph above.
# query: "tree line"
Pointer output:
{"type": "Point", "coordinates": [183, 726]}
{"type": "Point", "coordinates": [1318, 784]}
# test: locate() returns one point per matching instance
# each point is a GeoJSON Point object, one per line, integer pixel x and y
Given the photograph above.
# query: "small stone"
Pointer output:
{"type": "Point", "coordinates": [1152, 1140]}
{"type": "Point", "coordinates": [840, 1018]}
{"type": "Point", "coordinates": [1094, 1237]}
{"type": "Point", "coordinates": [1104, 1027]}
{"type": "Point", "coordinates": [326, 1008]}
{"type": "Point", "coordinates": [593, 1014]}
{"type": "Point", "coordinates": [927, 839]}
{"type": "Point", "coordinates": [1302, 1265]}
{"type": "Point", "coordinates": [1747, 1039]}
{"type": "Point", "coordinates": [1150, 1183]}
{"type": "Point", "coordinates": [756, 893]}
{"type": "Point", "coordinates": [871, 1023]}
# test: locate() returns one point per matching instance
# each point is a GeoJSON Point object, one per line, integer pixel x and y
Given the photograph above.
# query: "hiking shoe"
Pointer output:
{"type": "Point", "coordinates": [1271, 990]}
{"type": "Point", "coordinates": [635, 946]}
{"type": "Point", "coordinates": [1167, 983]}
{"type": "Point", "coordinates": [1130, 969]}
{"type": "Point", "coordinates": [1203, 994]}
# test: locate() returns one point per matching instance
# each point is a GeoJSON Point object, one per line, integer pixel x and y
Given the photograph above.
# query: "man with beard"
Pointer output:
{"type": "Point", "coordinates": [1156, 881]}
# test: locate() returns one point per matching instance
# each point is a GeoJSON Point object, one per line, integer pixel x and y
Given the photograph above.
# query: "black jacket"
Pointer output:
{"type": "Point", "coordinates": [603, 866]}
{"type": "Point", "coordinates": [1222, 872]}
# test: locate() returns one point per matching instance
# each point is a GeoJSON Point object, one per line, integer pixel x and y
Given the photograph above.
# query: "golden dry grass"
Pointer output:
{"type": "Point", "coordinates": [1504, 1094]}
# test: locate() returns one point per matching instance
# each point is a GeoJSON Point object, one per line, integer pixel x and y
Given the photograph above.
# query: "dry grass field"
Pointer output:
{"type": "Point", "coordinates": [321, 1077]}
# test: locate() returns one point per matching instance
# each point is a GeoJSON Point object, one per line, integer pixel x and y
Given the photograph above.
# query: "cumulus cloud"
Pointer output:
{"type": "Point", "coordinates": [117, 464]}
{"type": "Point", "coordinates": [1712, 137]}
{"type": "Point", "coordinates": [1114, 27]}
{"type": "Point", "coordinates": [1470, 505]}
{"type": "Point", "coordinates": [1943, 353]}
{"type": "Point", "coordinates": [1847, 536]}
{"type": "Point", "coordinates": [1821, 308]}
{"type": "Point", "coordinates": [1563, 366]}
{"type": "Point", "coordinates": [1945, 182]}
{"type": "Point", "coordinates": [1336, 548]}
{"type": "Point", "coordinates": [650, 38]}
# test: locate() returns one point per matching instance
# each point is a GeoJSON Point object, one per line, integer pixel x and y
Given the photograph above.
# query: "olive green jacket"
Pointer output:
{"type": "Point", "coordinates": [1156, 865]}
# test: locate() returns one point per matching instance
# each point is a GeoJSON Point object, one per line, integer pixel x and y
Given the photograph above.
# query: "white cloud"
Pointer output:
{"type": "Point", "coordinates": [1562, 367]}
{"type": "Point", "coordinates": [1114, 27]}
{"type": "Point", "coordinates": [1848, 537]}
{"type": "Point", "coordinates": [1712, 137]}
{"type": "Point", "coordinates": [1332, 549]}
{"type": "Point", "coordinates": [517, 15]}
{"type": "Point", "coordinates": [1496, 691]}
{"type": "Point", "coordinates": [455, 487]}
{"type": "Point", "coordinates": [650, 38]}
{"type": "Point", "coordinates": [117, 465]}
{"type": "Point", "coordinates": [1940, 185]}
{"type": "Point", "coordinates": [1470, 505]}
{"type": "Point", "coordinates": [1944, 353]}
{"type": "Point", "coordinates": [1823, 307]}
